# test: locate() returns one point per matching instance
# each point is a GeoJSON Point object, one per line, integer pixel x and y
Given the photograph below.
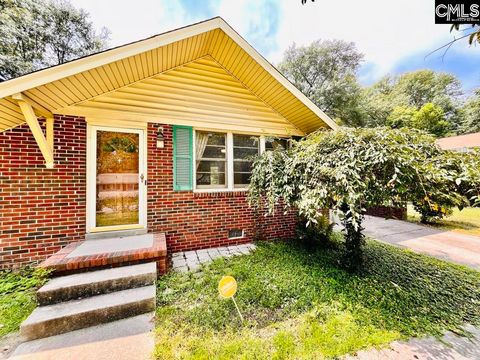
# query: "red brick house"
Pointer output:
{"type": "Point", "coordinates": [150, 137]}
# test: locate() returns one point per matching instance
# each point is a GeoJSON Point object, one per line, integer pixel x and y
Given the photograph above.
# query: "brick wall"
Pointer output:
{"type": "Point", "coordinates": [197, 220]}
{"type": "Point", "coordinates": [388, 212]}
{"type": "Point", "coordinates": [41, 209]}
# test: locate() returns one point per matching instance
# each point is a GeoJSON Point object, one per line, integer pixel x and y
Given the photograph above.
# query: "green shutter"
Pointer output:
{"type": "Point", "coordinates": [182, 157]}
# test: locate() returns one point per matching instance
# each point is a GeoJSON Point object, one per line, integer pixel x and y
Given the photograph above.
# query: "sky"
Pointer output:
{"type": "Point", "coordinates": [394, 36]}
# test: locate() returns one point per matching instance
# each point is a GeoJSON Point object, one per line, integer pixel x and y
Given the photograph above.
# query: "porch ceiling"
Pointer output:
{"type": "Point", "coordinates": [101, 82]}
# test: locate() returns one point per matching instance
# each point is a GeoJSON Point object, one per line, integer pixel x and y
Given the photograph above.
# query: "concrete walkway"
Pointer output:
{"type": "Point", "coordinates": [192, 260]}
{"type": "Point", "coordinates": [452, 347]}
{"type": "Point", "coordinates": [446, 245]}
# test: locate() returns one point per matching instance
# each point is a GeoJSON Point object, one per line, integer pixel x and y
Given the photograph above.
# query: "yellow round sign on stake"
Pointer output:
{"type": "Point", "coordinates": [227, 287]}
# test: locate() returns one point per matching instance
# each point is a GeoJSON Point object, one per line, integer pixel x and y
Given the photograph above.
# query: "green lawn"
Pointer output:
{"type": "Point", "coordinates": [17, 296]}
{"type": "Point", "coordinates": [298, 304]}
{"type": "Point", "coordinates": [466, 221]}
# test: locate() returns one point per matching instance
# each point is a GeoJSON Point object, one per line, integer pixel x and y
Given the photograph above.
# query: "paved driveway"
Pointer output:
{"type": "Point", "coordinates": [446, 245]}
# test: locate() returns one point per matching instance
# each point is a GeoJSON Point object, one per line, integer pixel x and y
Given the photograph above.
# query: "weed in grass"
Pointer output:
{"type": "Point", "coordinates": [17, 297]}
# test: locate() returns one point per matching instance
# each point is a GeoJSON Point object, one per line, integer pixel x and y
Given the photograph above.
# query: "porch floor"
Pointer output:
{"type": "Point", "coordinates": [103, 253]}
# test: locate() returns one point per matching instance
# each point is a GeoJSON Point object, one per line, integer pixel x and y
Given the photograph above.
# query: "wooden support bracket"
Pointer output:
{"type": "Point", "coordinates": [45, 144]}
{"type": "Point", "coordinates": [40, 109]}
{"type": "Point", "coordinates": [49, 131]}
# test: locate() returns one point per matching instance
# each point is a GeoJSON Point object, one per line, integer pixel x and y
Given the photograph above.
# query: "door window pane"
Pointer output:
{"type": "Point", "coordinates": [211, 159]}
{"type": "Point", "coordinates": [117, 201]}
{"type": "Point", "coordinates": [245, 148]}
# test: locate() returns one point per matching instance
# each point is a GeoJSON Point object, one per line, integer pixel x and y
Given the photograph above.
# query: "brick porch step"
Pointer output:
{"type": "Point", "coordinates": [107, 253]}
{"type": "Point", "coordinates": [77, 314]}
{"type": "Point", "coordinates": [98, 282]}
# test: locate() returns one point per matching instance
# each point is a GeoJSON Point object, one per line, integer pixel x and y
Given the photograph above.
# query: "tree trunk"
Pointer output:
{"type": "Point", "coordinates": [354, 241]}
{"type": "Point", "coordinates": [424, 219]}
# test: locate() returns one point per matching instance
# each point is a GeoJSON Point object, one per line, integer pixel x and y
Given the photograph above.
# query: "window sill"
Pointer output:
{"type": "Point", "coordinates": [220, 192]}
{"type": "Point", "coordinates": [200, 191]}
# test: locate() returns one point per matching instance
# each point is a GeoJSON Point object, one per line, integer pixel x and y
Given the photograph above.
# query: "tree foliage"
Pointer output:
{"type": "Point", "coordinates": [469, 31]}
{"type": "Point", "coordinates": [401, 116]}
{"type": "Point", "coordinates": [325, 71]}
{"type": "Point", "coordinates": [40, 33]}
{"type": "Point", "coordinates": [22, 29]}
{"type": "Point", "coordinates": [71, 35]}
{"type": "Point", "coordinates": [471, 114]}
{"type": "Point", "coordinates": [429, 117]}
{"type": "Point", "coordinates": [435, 96]}
{"type": "Point", "coordinates": [350, 170]}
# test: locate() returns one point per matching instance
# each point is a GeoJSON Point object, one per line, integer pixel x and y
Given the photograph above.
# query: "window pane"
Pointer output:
{"type": "Point", "coordinates": [242, 166]}
{"type": "Point", "coordinates": [241, 179]}
{"type": "Point", "coordinates": [207, 166]}
{"type": "Point", "coordinates": [273, 144]}
{"type": "Point", "coordinates": [245, 147]}
{"type": "Point", "coordinates": [245, 140]}
{"type": "Point", "coordinates": [211, 180]}
{"type": "Point", "coordinates": [214, 152]}
{"type": "Point", "coordinates": [216, 139]}
{"type": "Point", "coordinates": [244, 153]}
{"type": "Point", "coordinates": [210, 173]}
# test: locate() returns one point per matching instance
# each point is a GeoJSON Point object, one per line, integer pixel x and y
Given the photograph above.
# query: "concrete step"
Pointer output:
{"type": "Point", "coordinates": [71, 315]}
{"type": "Point", "coordinates": [126, 339]}
{"type": "Point", "coordinates": [98, 282]}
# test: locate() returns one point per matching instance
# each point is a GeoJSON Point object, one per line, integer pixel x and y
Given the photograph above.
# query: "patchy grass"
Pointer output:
{"type": "Point", "coordinates": [17, 296]}
{"type": "Point", "coordinates": [298, 303]}
{"type": "Point", "coordinates": [466, 221]}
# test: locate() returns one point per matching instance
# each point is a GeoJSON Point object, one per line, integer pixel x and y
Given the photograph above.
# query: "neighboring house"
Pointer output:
{"type": "Point", "coordinates": [153, 136]}
{"type": "Point", "coordinates": [462, 143]}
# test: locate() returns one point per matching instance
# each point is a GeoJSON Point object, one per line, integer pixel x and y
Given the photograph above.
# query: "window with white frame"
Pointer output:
{"type": "Point", "coordinates": [245, 148]}
{"type": "Point", "coordinates": [210, 160]}
{"type": "Point", "coordinates": [224, 160]}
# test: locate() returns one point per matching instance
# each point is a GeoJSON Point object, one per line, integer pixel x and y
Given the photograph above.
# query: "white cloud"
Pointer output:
{"type": "Point", "coordinates": [134, 20]}
{"type": "Point", "coordinates": [385, 31]}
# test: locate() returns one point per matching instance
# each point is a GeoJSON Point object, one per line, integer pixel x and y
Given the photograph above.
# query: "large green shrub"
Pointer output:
{"type": "Point", "coordinates": [350, 170]}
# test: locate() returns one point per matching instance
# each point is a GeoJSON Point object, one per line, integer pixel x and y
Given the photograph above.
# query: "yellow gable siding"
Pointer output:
{"type": "Point", "coordinates": [95, 82]}
{"type": "Point", "coordinates": [200, 93]}
{"type": "Point", "coordinates": [248, 71]}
